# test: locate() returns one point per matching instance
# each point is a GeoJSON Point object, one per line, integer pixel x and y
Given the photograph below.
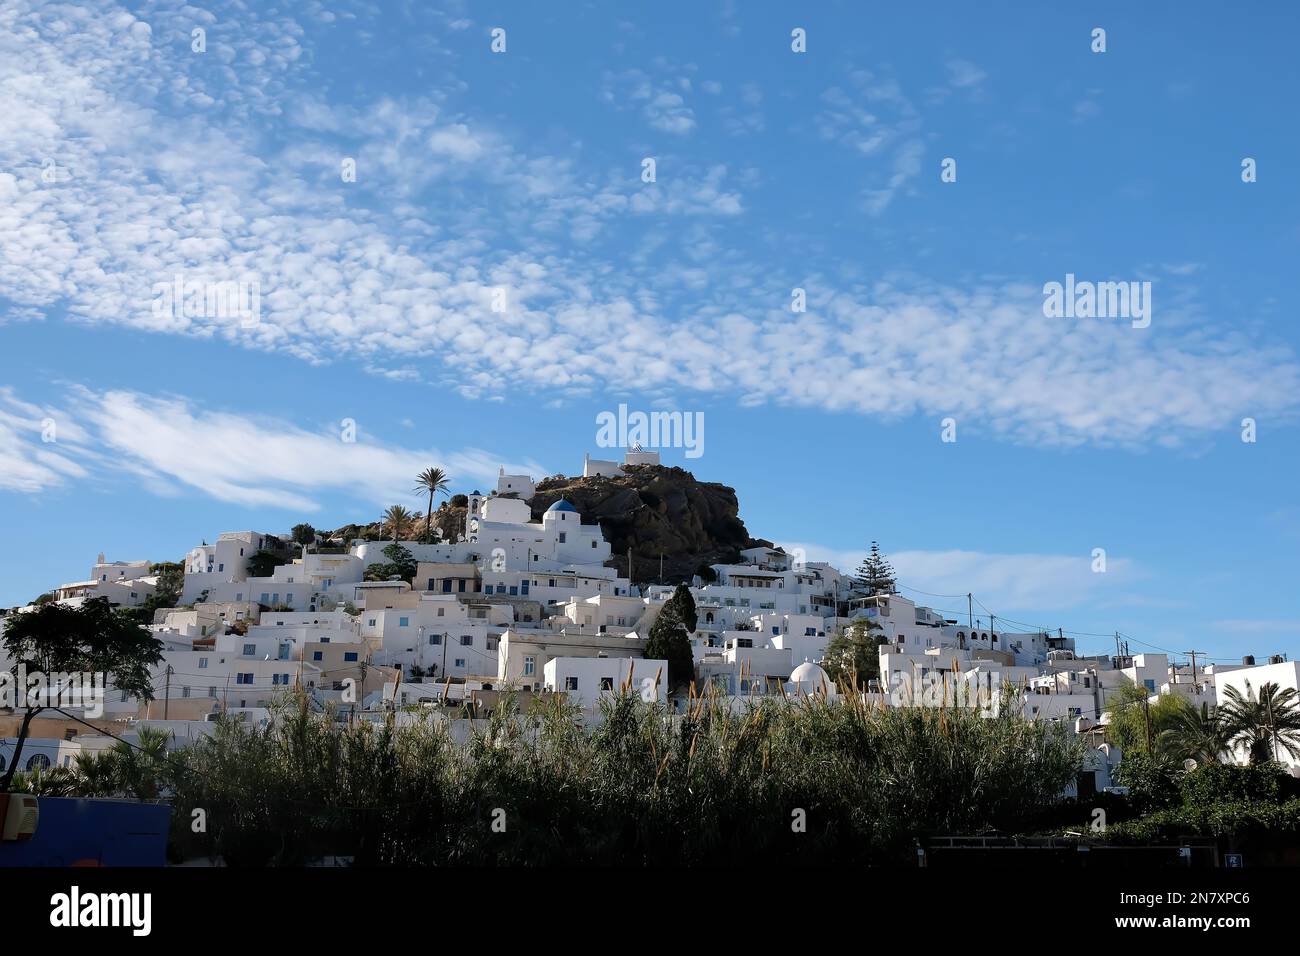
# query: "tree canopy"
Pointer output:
{"type": "Point", "coordinates": [91, 639]}
{"type": "Point", "coordinates": [853, 654]}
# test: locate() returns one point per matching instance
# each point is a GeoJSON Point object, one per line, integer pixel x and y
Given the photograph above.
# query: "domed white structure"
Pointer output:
{"type": "Point", "coordinates": [808, 679]}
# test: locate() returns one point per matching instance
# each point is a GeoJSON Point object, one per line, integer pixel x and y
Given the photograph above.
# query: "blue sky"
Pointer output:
{"type": "Point", "coordinates": [126, 157]}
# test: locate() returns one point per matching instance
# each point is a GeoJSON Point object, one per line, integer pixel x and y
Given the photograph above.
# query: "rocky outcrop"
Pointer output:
{"type": "Point", "coordinates": [655, 510]}
{"type": "Point", "coordinates": [651, 509]}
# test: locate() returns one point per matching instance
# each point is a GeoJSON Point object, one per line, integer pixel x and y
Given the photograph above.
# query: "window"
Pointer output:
{"type": "Point", "coordinates": [570, 683]}
{"type": "Point", "coordinates": [203, 663]}
{"type": "Point", "coordinates": [467, 640]}
{"type": "Point", "coordinates": [317, 655]}
{"type": "Point", "coordinates": [561, 537]}
{"type": "Point", "coordinates": [435, 638]}
{"type": "Point", "coordinates": [1150, 685]}
{"type": "Point", "coordinates": [810, 632]}
{"type": "Point", "coordinates": [350, 657]}
{"type": "Point", "coordinates": [185, 691]}
{"type": "Point", "coordinates": [460, 662]}
{"type": "Point", "coordinates": [530, 666]}
{"type": "Point", "coordinates": [523, 587]}
{"type": "Point", "coordinates": [460, 585]}
{"type": "Point", "coordinates": [243, 678]}
{"type": "Point", "coordinates": [372, 622]}
{"type": "Point", "coordinates": [403, 622]}
{"type": "Point", "coordinates": [441, 611]}
{"type": "Point", "coordinates": [38, 762]}
{"type": "Point", "coordinates": [593, 544]}
{"type": "Point", "coordinates": [446, 585]}
{"type": "Point", "coordinates": [607, 683]}
{"type": "Point", "coordinates": [250, 650]}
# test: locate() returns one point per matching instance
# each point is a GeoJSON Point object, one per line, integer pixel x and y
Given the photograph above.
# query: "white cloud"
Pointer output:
{"type": "Point", "coordinates": [1003, 582]}
{"type": "Point", "coordinates": [455, 141]}
{"type": "Point", "coordinates": [166, 442]}
{"type": "Point", "coordinates": [661, 105]}
{"type": "Point", "coordinates": [874, 118]}
{"type": "Point", "coordinates": [35, 452]}
{"type": "Point", "coordinates": [963, 74]}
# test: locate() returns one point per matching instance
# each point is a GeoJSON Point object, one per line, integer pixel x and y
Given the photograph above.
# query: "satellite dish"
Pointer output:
{"type": "Point", "coordinates": [1189, 765]}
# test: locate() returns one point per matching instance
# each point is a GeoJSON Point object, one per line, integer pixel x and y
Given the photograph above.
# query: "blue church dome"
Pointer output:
{"type": "Point", "coordinates": [561, 505]}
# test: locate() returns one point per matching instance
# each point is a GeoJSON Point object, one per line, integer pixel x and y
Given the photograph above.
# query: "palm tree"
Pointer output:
{"type": "Point", "coordinates": [397, 520]}
{"type": "Point", "coordinates": [141, 769]}
{"type": "Point", "coordinates": [1262, 723]}
{"type": "Point", "coordinates": [1195, 733]}
{"type": "Point", "coordinates": [432, 480]}
{"type": "Point", "coordinates": [96, 773]}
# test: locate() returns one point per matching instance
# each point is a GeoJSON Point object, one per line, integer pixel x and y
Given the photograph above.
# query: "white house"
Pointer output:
{"type": "Point", "coordinates": [586, 680]}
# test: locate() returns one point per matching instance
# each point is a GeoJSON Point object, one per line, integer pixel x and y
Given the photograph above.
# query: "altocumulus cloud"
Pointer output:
{"type": "Point", "coordinates": [144, 192]}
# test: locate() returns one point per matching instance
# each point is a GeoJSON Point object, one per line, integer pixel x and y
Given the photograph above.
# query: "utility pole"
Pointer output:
{"type": "Point", "coordinates": [993, 623]}
{"type": "Point", "coordinates": [167, 694]}
{"type": "Point", "coordinates": [970, 611]}
{"type": "Point", "coordinates": [1117, 654]}
{"type": "Point", "coordinates": [1193, 654]}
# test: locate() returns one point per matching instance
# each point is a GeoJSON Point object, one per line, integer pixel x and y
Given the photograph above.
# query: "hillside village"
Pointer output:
{"type": "Point", "coordinates": [519, 595]}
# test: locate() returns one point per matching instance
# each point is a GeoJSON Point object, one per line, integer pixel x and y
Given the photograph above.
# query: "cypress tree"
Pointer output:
{"type": "Point", "coordinates": [669, 637]}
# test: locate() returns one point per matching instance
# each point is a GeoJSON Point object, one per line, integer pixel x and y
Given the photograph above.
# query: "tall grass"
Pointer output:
{"type": "Point", "coordinates": [645, 787]}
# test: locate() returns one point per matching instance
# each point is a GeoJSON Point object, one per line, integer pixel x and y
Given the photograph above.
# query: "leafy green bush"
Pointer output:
{"type": "Point", "coordinates": [793, 782]}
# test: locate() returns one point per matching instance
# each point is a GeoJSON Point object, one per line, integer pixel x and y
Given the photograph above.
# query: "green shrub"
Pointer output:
{"type": "Point", "coordinates": [646, 787]}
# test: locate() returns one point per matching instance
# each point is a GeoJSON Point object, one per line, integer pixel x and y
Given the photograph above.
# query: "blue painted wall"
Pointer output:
{"type": "Point", "coordinates": [93, 832]}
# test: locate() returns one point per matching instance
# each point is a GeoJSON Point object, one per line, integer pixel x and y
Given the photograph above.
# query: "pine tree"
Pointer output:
{"type": "Point", "coordinates": [875, 575]}
{"type": "Point", "coordinates": [669, 637]}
